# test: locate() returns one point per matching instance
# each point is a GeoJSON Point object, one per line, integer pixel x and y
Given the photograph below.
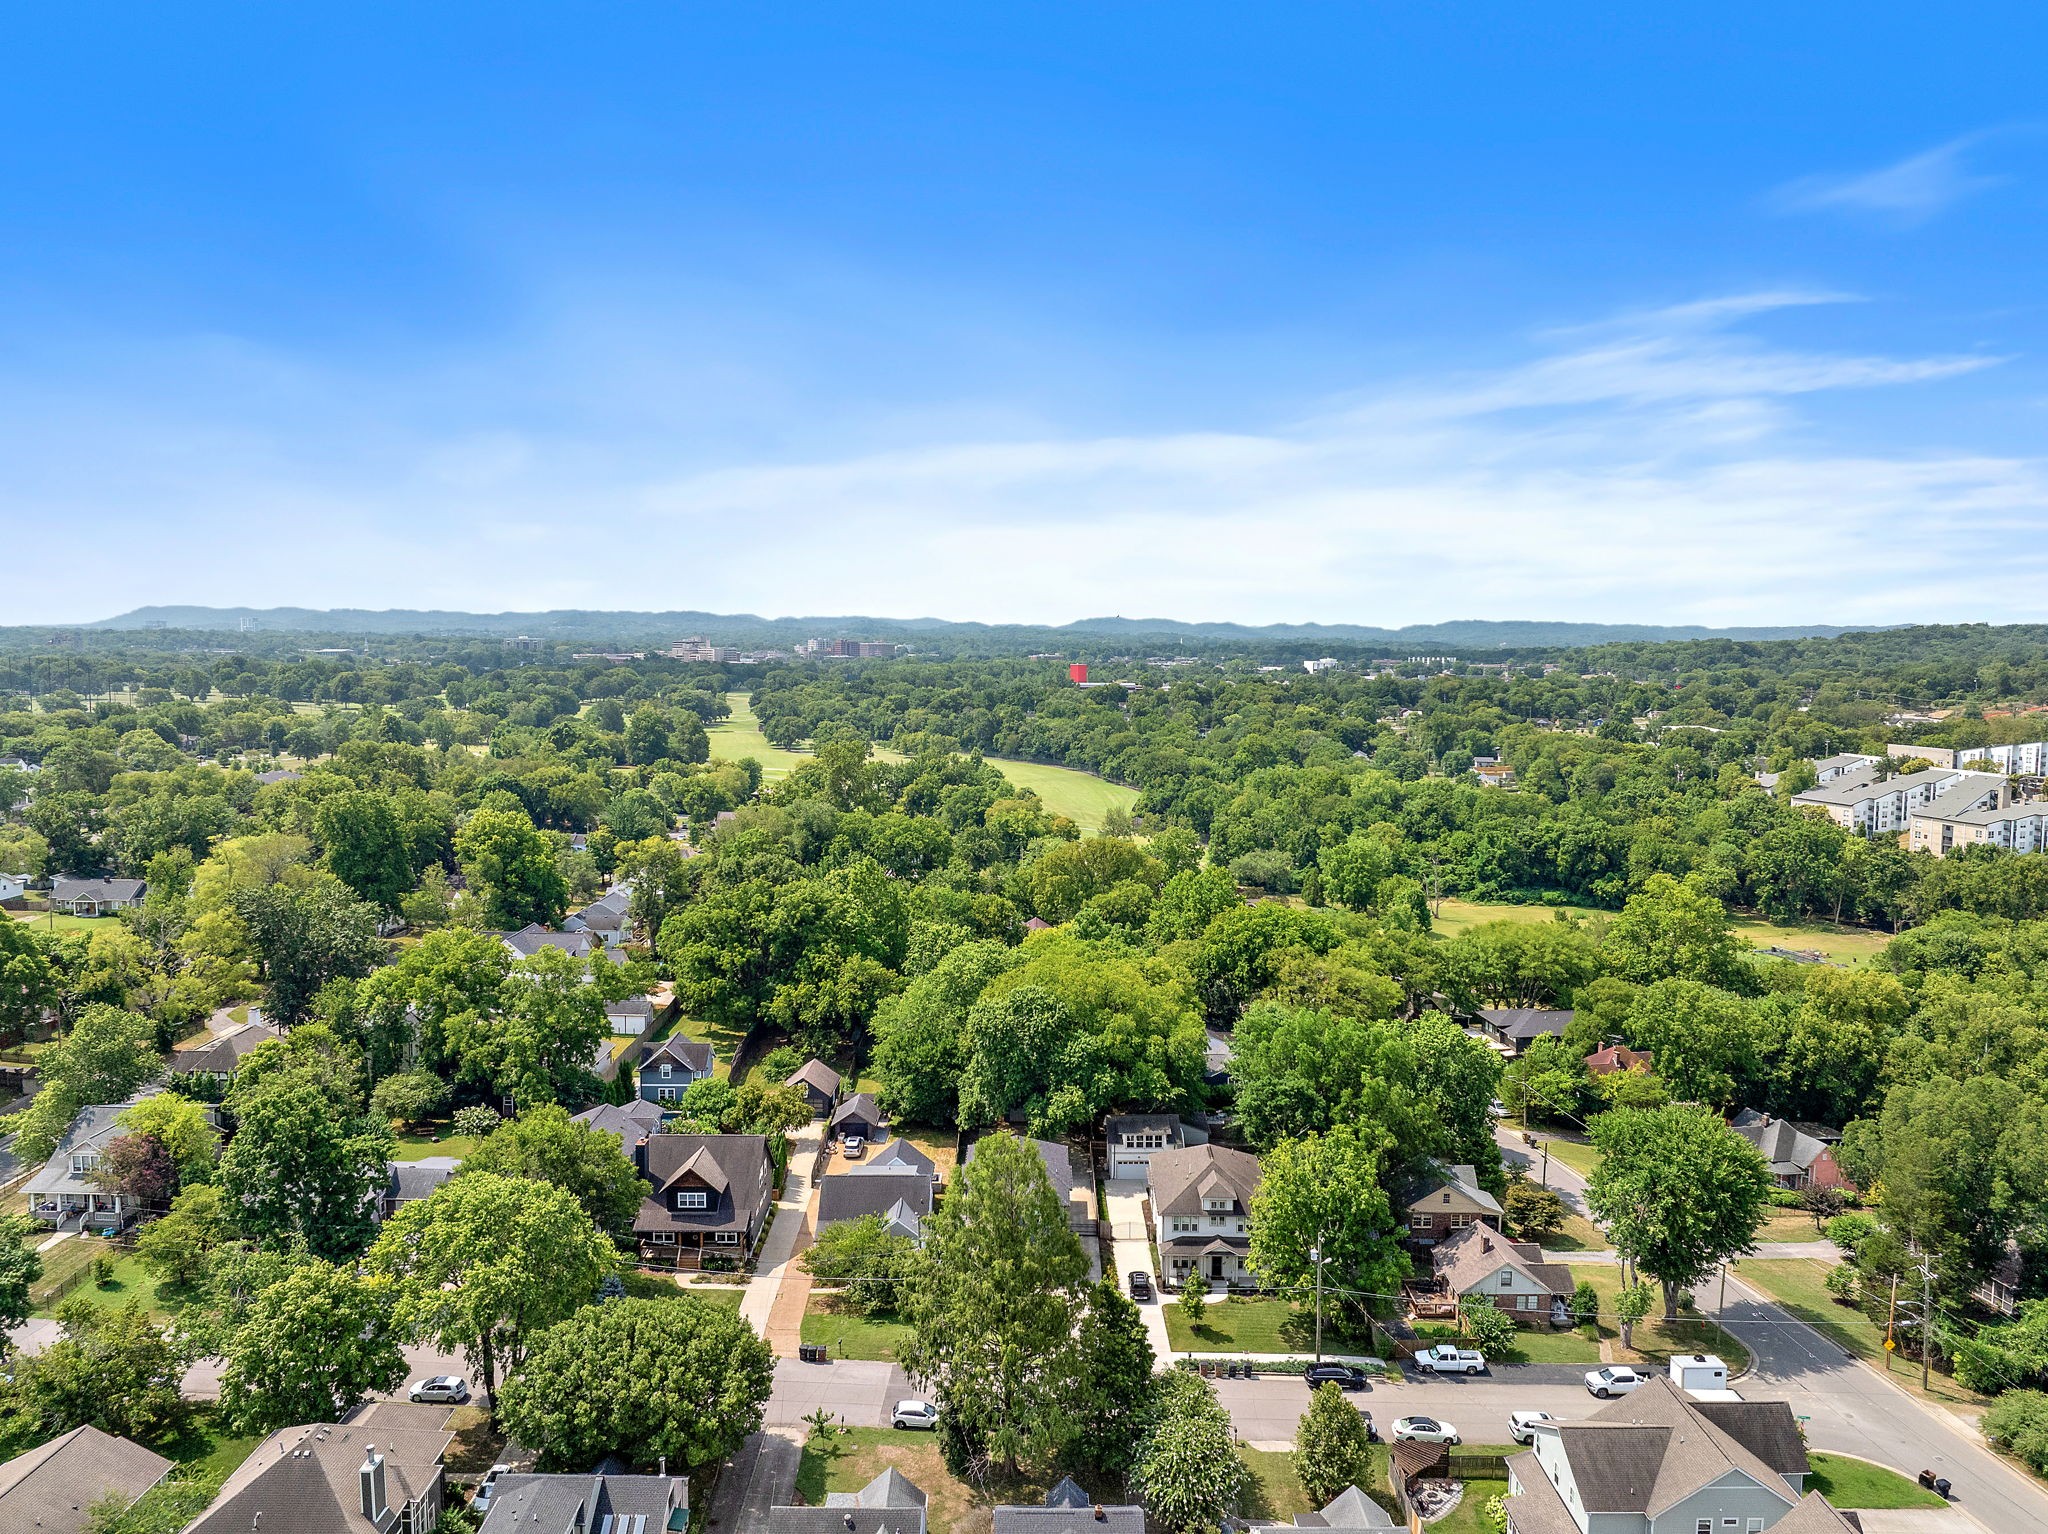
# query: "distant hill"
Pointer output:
{"type": "Point", "coordinates": [572, 624]}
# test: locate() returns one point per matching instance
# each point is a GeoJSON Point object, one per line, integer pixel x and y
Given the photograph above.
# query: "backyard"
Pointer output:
{"type": "Point", "coordinates": [129, 1281]}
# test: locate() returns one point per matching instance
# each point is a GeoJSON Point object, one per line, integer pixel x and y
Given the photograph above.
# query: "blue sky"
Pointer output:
{"type": "Point", "coordinates": [1382, 314]}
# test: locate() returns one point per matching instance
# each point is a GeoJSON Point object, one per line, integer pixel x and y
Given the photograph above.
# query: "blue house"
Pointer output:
{"type": "Point", "coordinates": [670, 1066]}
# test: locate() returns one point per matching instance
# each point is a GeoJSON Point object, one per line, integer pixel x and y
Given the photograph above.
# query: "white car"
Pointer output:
{"type": "Point", "coordinates": [854, 1147]}
{"type": "Point", "coordinates": [1614, 1380]}
{"type": "Point", "coordinates": [1424, 1430]}
{"type": "Point", "coordinates": [916, 1415]}
{"type": "Point", "coordinates": [1522, 1424]}
{"type": "Point", "coordinates": [488, 1485]}
{"type": "Point", "coordinates": [441, 1390]}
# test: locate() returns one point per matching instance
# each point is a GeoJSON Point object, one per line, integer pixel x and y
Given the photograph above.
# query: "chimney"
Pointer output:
{"type": "Point", "coordinates": [640, 1155]}
{"type": "Point", "coordinates": [661, 1465]}
{"type": "Point", "coordinates": [372, 1479]}
{"type": "Point", "coordinates": [1100, 1515]}
{"type": "Point", "coordinates": [1486, 1243]}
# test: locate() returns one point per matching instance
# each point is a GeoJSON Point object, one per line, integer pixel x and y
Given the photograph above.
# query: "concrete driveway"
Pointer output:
{"type": "Point", "coordinates": [1130, 1251]}
{"type": "Point", "coordinates": [859, 1392]}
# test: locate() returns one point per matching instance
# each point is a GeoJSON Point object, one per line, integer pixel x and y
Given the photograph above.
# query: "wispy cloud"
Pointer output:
{"type": "Point", "coordinates": [1910, 191]}
{"type": "Point", "coordinates": [1657, 466]}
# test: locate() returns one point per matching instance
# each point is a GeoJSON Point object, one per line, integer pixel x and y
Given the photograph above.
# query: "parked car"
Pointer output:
{"type": "Point", "coordinates": [1343, 1376]}
{"type": "Point", "coordinates": [855, 1147]}
{"type": "Point", "coordinates": [441, 1390]}
{"type": "Point", "coordinates": [488, 1485]}
{"type": "Point", "coordinates": [1141, 1284]}
{"type": "Point", "coordinates": [1614, 1380]}
{"type": "Point", "coordinates": [1425, 1430]}
{"type": "Point", "coordinates": [1445, 1359]}
{"type": "Point", "coordinates": [916, 1415]}
{"type": "Point", "coordinates": [1522, 1424]}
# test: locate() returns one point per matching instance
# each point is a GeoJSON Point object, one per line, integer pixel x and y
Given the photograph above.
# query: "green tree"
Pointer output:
{"type": "Point", "coordinates": [177, 1249]}
{"type": "Point", "coordinates": [1115, 1384]}
{"type": "Point", "coordinates": [1323, 1193]}
{"type": "Point", "coordinates": [305, 1161]}
{"type": "Point", "coordinates": [1679, 1192]}
{"type": "Point", "coordinates": [1631, 1307]}
{"type": "Point", "coordinates": [404, 1008]}
{"type": "Point", "coordinates": [312, 1346]}
{"type": "Point", "coordinates": [28, 979]}
{"type": "Point", "coordinates": [511, 868]}
{"type": "Point", "coordinates": [487, 1263]}
{"type": "Point", "coordinates": [1533, 1212]}
{"type": "Point", "coordinates": [113, 1369]}
{"type": "Point", "coordinates": [642, 1379]}
{"type": "Point", "coordinates": [1674, 931]}
{"type": "Point", "coordinates": [304, 934]}
{"type": "Point", "coordinates": [589, 1164]}
{"type": "Point", "coordinates": [1491, 1329]}
{"type": "Point", "coordinates": [864, 1260]}
{"type": "Point", "coordinates": [409, 1097]}
{"type": "Point", "coordinates": [369, 848]}
{"type": "Point", "coordinates": [20, 1266]}
{"type": "Point", "coordinates": [993, 1301]}
{"type": "Point", "coordinates": [537, 1046]}
{"type": "Point", "coordinates": [181, 1126]}
{"type": "Point", "coordinates": [1186, 1468]}
{"type": "Point", "coordinates": [1332, 1446]}
{"type": "Point", "coordinates": [108, 1056]}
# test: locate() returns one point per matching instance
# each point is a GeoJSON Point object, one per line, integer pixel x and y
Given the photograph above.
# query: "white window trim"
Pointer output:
{"type": "Point", "coordinates": [691, 1198]}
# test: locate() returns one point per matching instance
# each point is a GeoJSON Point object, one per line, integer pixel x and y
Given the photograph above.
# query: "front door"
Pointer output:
{"type": "Point", "coordinates": [1216, 1266]}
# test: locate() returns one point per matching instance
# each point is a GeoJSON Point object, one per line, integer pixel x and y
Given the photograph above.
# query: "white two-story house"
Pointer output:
{"type": "Point", "coordinates": [1202, 1206]}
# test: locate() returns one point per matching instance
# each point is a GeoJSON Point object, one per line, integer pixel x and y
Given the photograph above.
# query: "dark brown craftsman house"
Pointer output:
{"type": "Point", "coordinates": [711, 1198]}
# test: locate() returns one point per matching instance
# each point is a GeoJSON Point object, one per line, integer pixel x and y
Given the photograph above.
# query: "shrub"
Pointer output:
{"type": "Point", "coordinates": [1785, 1198]}
{"type": "Point", "coordinates": [1585, 1304]}
{"type": "Point", "coordinates": [779, 1064]}
{"type": "Point", "coordinates": [409, 1096]}
{"type": "Point", "coordinates": [1841, 1283]}
{"type": "Point", "coordinates": [1194, 1299]}
{"type": "Point", "coordinates": [2018, 1421]}
{"type": "Point", "coordinates": [1850, 1231]}
{"type": "Point", "coordinates": [1492, 1330]}
{"type": "Point", "coordinates": [475, 1122]}
{"type": "Point", "coordinates": [1497, 1513]}
{"type": "Point", "coordinates": [103, 1272]}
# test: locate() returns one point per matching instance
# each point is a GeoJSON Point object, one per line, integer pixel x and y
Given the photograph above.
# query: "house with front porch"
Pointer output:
{"type": "Point", "coordinates": [65, 1195]}
{"type": "Point", "coordinates": [96, 897]}
{"type": "Point", "coordinates": [1478, 1260]}
{"type": "Point", "coordinates": [710, 1198]}
{"type": "Point", "coordinates": [1801, 1155]}
{"type": "Point", "coordinates": [1201, 1209]}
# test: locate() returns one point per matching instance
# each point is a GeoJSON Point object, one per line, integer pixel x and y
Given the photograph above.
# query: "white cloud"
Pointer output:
{"type": "Point", "coordinates": [1653, 468]}
{"type": "Point", "coordinates": [1911, 191]}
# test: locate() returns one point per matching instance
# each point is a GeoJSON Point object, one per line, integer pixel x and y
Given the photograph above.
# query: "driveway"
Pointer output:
{"type": "Point", "coordinates": [1130, 1251]}
{"type": "Point", "coordinates": [861, 1393]}
{"type": "Point", "coordinates": [1266, 1411]}
{"type": "Point", "coordinates": [784, 1240]}
{"type": "Point", "coordinates": [762, 1475]}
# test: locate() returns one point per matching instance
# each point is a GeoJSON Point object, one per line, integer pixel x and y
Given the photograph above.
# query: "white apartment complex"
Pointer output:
{"type": "Point", "coordinates": [2020, 827]}
{"type": "Point", "coordinates": [2029, 759]}
{"type": "Point", "coordinates": [1860, 801]}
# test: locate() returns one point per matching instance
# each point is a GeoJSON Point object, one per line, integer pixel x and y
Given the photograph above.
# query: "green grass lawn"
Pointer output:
{"type": "Point", "coordinates": [130, 1282]}
{"type": "Point", "coordinates": [725, 1042]}
{"type": "Point", "coordinates": [1847, 1482]}
{"type": "Point", "coordinates": [1789, 1225]}
{"type": "Point", "coordinates": [1469, 1516]}
{"type": "Point", "coordinates": [1080, 796]}
{"type": "Point", "coordinates": [850, 1335]}
{"type": "Point", "coordinates": [1844, 945]}
{"type": "Point", "coordinates": [63, 1261]}
{"type": "Point", "coordinates": [1257, 1325]}
{"type": "Point", "coordinates": [418, 1146]}
{"type": "Point", "coordinates": [741, 736]}
{"type": "Point", "coordinates": [1578, 1234]}
{"type": "Point", "coordinates": [1276, 1492]}
{"type": "Point", "coordinates": [1576, 1154]}
{"type": "Point", "coordinates": [1533, 1345]}
{"type": "Point", "coordinates": [46, 921]}
{"type": "Point", "coordinates": [1657, 1340]}
{"type": "Point", "coordinates": [1456, 916]}
{"type": "Point", "coordinates": [852, 1457]}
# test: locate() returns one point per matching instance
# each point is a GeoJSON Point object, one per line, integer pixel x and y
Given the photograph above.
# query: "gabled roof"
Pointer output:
{"type": "Point", "coordinates": [1469, 1259]}
{"type": "Point", "coordinates": [850, 1196]}
{"type": "Point", "coordinates": [1167, 1124]}
{"type": "Point", "coordinates": [1180, 1175]}
{"type": "Point", "coordinates": [1461, 1179]}
{"type": "Point", "coordinates": [1525, 1023]}
{"type": "Point", "coordinates": [899, 1155]}
{"type": "Point", "coordinates": [408, 1181]}
{"type": "Point", "coordinates": [892, 1488]}
{"type": "Point", "coordinates": [50, 1487]}
{"type": "Point", "coordinates": [1350, 1509]}
{"type": "Point", "coordinates": [222, 1054]}
{"type": "Point", "coordinates": [1059, 1166]}
{"type": "Point", "coordinates": [702, 1166]}
{"type": "Point", "coordinates": [1654, 1447]}
{"type": "Point", "coordinates": [1068, 1509]}
{"type": "Point", "coordinates": [691, 1054]}
{"type": "Point", "coordinates": [532, 938]}
{"type": "Point", "coordinates": [889, 1504]}
{"type": "Point", "coordinates": [280, 775]}
{"type": "Point", "coordinates": [741, 1159]}
{"type": "Point", "coordinates": [94, 1127]}
{"type": "Point", "coordinates": [1779, 1142]}
{"type": "Point", "coordinates": [106, 891]}
{"type": "Point", "coordinates": [862, 1107]}
{"type": "Point", "coordinates": [629, 1121]}
{"type": "Point", "coordinates": [1813, 1514]}
{"type": "Point", "coordinates": [817, 1074]}
{"type": "Point", "coordinates": [597, 1502]}
{"type": "Point", "coordinates": [306, 1479]}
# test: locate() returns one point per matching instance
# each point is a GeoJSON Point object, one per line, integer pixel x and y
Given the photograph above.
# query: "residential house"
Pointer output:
{"type": "Point", "coordinates": [1513, 1029]}
{"type": "Point", "coordinates": [889, 1504]}
{"type": "Point", "coordinates": [407, 1182]}
{"type": "Point", "coordinates": [606, 918]}
{"type": "Point", "coordinates": [96, 897]}
{"type": "Point", "coordinates": [588, 1504]}
{"type": "Point", "coordinates": [1802, 1155]}
{"type": "Point", "coordinates": [1076, 1190]}
{"type": "Point", "coordinates": [65, 1194]}
{"type": "Point", "coordinates": [1617, 1057]}
{"type": "Point", "coordinates": [629, 1121]}
{"type": "Point", "coordinates": [1067, 1509]}
{"type": "Point", "coordinates": [278, 775]}
{"type": "Point", "coordinates": [1037, 924]}
{"type": "Point", "coordinates": [1656, 1462]}
{"type": "Point", "coordinates": [1478, 1259]}
{"type": "Point", "coordinates": [1351, 1510]}
{"type": "Point", "coordinates": [1492, 771]}
{"type": "Point", "coordinates": [859, 1115]}
{"type": "Point", "coordinates": [52, 1488]}
{"type": "Point", "coordinates": [1448, 1200]}
{"type": "Point", "coordinates": [533, 937]}
{"type": "Point", "coordinates": [1133, 1139]}
{"type": "Point", "coordinates": [1201, 1207]}
{"type": "Point", "coordinates": [899, 1155]}
{"type": "Point", "coordinates": [336, 1478]}
{"type": "Point", "coordinates": [629, 1018]}
{"type": "Point", "coordinates": [669, 1067]}
{"type": "Point", "coordinates": [2027, 759]}
{"type": "Point", "coordinates": [710, 1200]}
{"type": "Point", "coordinates": [820, 1085]}
{"type": "Point", "coordinates": [222, 1054]}
{"type": "Point", "coordinates": [13, 886]}
{"type": "Point", "coordinates": [901, 1194]}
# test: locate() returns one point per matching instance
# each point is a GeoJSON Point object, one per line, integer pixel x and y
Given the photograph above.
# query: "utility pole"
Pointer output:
{"type": "Point", "coordinates": [1926, 1320]}
{"type": "Point", "coordinates": [1315, 1255]}
{"type": "Point", "coordinates": [1891, 1316]}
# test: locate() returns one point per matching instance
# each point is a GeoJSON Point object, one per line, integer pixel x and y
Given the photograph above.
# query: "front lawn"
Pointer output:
{"type": "Point", "coordinates": [1656, 1339]}
{"type": "Point", "coordinates": [1847, 1482]}
{"type": "Point", "coordinates": [129, 1282]}
{"type": "Point", "coordinates": [62, 1261]}
{"type": "Point", "coordinates": [1788, 1225]}
{"type": "Point", "coordinates": [849, 1334]}
{"type": "Point", "coordinates": [1576, 1154]}
{"type": "Point", "coordinates": [1256, 1325]}
{"type": "Point", "coordinates": [1276, 1493]}
{"type": "Point", "coordinates": [432, 1139]}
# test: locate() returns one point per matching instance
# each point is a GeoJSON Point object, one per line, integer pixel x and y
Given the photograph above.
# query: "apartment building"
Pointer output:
{"type": "Point", "coordinates": [1873, 806]}
{"type": "Point", "coordinates": [2017, 827]}
{"type": "Point", "coordinates": [2028, 759]}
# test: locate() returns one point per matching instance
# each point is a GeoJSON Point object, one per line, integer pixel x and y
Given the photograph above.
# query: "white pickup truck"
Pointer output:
{"type": "Point", "coordinates": [1445, 1359]}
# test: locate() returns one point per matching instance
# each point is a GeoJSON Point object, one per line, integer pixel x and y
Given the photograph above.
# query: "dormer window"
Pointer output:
{"type": "Point", "coordinates": [1215, 1204]}
{"type": "Point", "coordinates": [692, 1198]}
{"type": "Point", "coordinates": [85, 1161]}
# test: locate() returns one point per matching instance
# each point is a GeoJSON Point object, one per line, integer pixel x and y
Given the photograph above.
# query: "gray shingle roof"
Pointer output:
{"type": "Point", "coordinates": [1068, 1509]}
{"type": "Point", "coordinates": [586, 1504]}
{"type": "Point", "coordinates": [737, 1166]}
{"type": "Point", "coordinates": [1523, 1024]}
{"type": "Point", "coordinates": [889, 1504]}
{"type": "Point", "coordinates": [1182, 1178]}
{"type": "Point", "coordinates": [530, 940]}
{"type": "Point", "coordinates": [50, 1487]}
{"type": "Point", "coordinates": [222, 1054]}
{"type": "Point", "coordinates": [629, 1121]}
{"type": "Point", "coordinates": [105, 891]}
{"type": "Point", "coordinates": [1467, 1259]}
{"type": "Point", "coordinates": [1059, 1166]}
{"type": "Point", "coordinates": [305, 1479]}
{"type": "Point", "coordinates": [850, 1196]}
{"type": "Point", "coordinates": [899, 1155]}
{"type": "Point", "coordinates": [1350, 1509]}
{"type": "Point", "coordinates": [691, 1054]}
{"type": "Point", "coordinates": [860, 1107]}
{"type": "Point", "coordinates": [816, 1073]}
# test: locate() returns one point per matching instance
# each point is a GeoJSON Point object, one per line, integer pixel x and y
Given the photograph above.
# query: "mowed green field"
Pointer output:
{"type": "Point", "coordinates": [1844, 945]}
{"type": "Point", "coordinates": [1080, 796]}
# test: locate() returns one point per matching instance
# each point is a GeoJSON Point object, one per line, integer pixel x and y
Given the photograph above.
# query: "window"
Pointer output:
{"type": "Point", "coordinates": [665, 1094]}
{"type": "Point", "coordinates": [1704, 1526]}
{"type": "Point", "coordinates": [1420, 1221]}
{"type": "Point", "coordinates": [85, 1161]}
{"type": "Point", "coordinates": [666, 1070]}
{"type": "Point", "coordinates": [1525, 1302]}
{"type": "Point", "coordinates": [663, 1238]}
{"type": "Point", "coordinates": [1215, 1203]}
{"type": "Point", "coordinates": [1756, 1526]}
{"type": "Point", "coordinates": [725, 1238]}
{"type": "Point", "coordinates": [1507, 1278]}
{"type": "Point", "coordinates": [1186, 1227]}
{"type": "Point", "coordinates": [687, 1198]}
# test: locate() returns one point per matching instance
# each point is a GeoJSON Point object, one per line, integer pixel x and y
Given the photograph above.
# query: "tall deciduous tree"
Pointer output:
{"type": "Point", "coordinates": [20, 1266]}
{"type": "Point", "coordinates": [487, 1263]}
{"type": "Point", "coordinates": [589, 1164]}
{"type": "Point", "coordinates": [305, 1161]}
{"type": "Point", "coordinates": [311, 1347]}
{"type": "Point", "coordinates": [1679, 1192]}
{"type": "Point", "coordinates": [306, 932]}
{"type": "Point", "coordinates": [1332, 1447]}
{"type": "Point", "coordinates": [107, 1057]}
{"type": "Point", "coordinates": [679, 1378]}
{"type": "Point", "coordinates": [537, 1046]}
{"type": "Point", "coordinates": [992, 1304]}
{"type": "Point", "coordinates": [1674, 931]}
{"type": "Point", "coordinates": [28, 979]}
{"type": "Point", "coordinates": [1323, 1193]}
{"type": "Point", "coordinates": [512, 869]}
{"type": "Point", "coordinates": [368, 846]}
{"type": "Point", "coordinates": [1186, 1467]}
{"type": "Point", "coordinates": [1114, 1389]}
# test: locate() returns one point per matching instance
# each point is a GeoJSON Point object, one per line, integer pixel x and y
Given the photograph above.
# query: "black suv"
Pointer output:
{"type": "Point", "coordinates": [1141, 1284]}
{"type": "Point", "coordinates": [1344, 1376]}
